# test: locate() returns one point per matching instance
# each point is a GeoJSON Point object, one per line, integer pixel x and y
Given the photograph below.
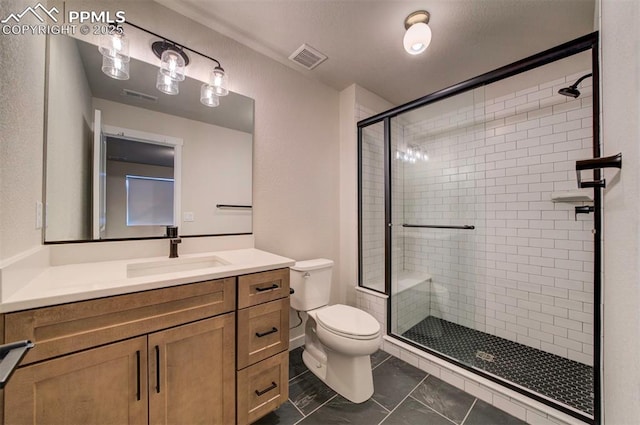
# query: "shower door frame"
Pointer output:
{"type": "Point", "coordinates": [579, 45]}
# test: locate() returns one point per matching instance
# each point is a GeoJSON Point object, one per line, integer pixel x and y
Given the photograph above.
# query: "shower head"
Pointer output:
{"type": "Point", "coordinates": [572, 90]}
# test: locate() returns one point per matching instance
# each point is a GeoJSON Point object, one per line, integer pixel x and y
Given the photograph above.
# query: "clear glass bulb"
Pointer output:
{"type": "Point", "coordinates": [172, 64]}
{"type": "Point", "coordinates": [208, 96]}
{"type": "Point", "coordinates": [115, 46]}
{"type": "Point", "coordinates": [115, 68]}
{"type": "Point", "coordinates": [166, 84]}
{"type": "Point", "coordinates": [220, 81]}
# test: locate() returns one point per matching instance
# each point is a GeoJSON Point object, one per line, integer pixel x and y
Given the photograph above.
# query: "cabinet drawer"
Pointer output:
{"type": "Point", "coordinates": [77, 326]}
{"type": "Point", "coordinates": [258, 288]}
{"type": "Point", "coordinates": [263, 330]}
{"type": "Point", "coordinates": [262, 387]}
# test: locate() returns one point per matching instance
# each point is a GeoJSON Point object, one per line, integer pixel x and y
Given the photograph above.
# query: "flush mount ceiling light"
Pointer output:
{"type": "Point", "coordinates": [115, 56]}
{"type": "Point", "coordinates": [418, 35]}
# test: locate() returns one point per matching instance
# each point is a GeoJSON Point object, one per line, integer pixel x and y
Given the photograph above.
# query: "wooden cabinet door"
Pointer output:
{"type": "Point", "coordinates": [192, 373]}
{"type": "Point", "coordinates": [105, 385]}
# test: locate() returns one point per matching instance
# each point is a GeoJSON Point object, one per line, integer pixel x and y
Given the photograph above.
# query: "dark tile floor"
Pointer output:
{"type": "Point", "coordinates": [561, 379]}
{"type": "Point", "coordinates": [404, 395]}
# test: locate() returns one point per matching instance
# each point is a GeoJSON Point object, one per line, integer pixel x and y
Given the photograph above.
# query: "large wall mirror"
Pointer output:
{"type": "Point", "coordinates": [124, 160]}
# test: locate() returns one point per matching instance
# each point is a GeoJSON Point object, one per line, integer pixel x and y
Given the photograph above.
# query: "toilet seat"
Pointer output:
{"type": "Point", "coordinates": [348, 322]}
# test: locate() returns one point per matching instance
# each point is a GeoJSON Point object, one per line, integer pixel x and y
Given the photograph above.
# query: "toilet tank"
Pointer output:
{"type": "Point", "coordinates": [311, 282]}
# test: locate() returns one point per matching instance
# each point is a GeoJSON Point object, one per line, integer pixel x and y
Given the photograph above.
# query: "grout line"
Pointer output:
{"type": "Point", "coordinates": [388, 357]}
{"type": "Point", "coordinates": [296, 407]}
{"type": "Point", "coordinates": [435, 411]}
{"type": "Point", "coordinates": [402, 401]}
{"type": "Point", "coordinates": [300, 374]}
{"type": "Point", "coordinates": [316, 409]}
{"type": "Point", "coordinates": [469, 412]}
{"type": "Point", "coordinates": [372, 399]}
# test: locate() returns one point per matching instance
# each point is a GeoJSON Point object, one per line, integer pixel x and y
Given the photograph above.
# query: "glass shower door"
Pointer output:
{"type": "Point", "coordinates": [372, 207]}
{"type": "Point", "coordinates": [438, 220]}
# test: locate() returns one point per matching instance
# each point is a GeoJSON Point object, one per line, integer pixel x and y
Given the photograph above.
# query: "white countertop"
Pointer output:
{"type": "Point", "coordinates": [77, 282]}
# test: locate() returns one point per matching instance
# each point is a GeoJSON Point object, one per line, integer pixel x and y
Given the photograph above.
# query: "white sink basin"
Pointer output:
{"type": "Point", "coordinates": [172, 265]}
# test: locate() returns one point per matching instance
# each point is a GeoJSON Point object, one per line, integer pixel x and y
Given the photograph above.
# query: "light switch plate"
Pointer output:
{"type": "Point", "coordinates": [188, 216]}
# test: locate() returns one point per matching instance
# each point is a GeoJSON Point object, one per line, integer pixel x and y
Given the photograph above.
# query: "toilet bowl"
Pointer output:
{"type": "Point", "coordinates": [339, 339]}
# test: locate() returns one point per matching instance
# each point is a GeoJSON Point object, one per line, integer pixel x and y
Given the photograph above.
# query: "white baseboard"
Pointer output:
{"type": "Point", "coordinates": [296, 342]}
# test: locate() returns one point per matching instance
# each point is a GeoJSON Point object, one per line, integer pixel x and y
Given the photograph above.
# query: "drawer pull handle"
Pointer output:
{"type": "Point", "coordinates": [157, 369]}
{"type": "Point", "coordinates": [273, 386]}
{"type": "Point", "coordinates": [138, 375]}
{"type": "Point", "coordinates": [269, 288]}
{"type": "Point", "coordinates": [261, 334]}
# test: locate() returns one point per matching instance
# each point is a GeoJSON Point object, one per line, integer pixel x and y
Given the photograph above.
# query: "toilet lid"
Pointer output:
{"type": "Point", "coordinates": [348, 320]}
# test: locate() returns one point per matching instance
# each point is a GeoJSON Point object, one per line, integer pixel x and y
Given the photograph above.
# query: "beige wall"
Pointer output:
{"type": "Point", "coordinates": [296, 143]}
{"type": "Point", "coordinates": [21, 121]}
{"type": "Point", "coordinates": [620, 38]}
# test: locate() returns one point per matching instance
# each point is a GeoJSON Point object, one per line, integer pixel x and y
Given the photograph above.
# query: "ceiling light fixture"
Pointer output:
{"type": "Point", "coordinates": [418, 35]}
{"type": "Point", "coordinates": [115, 56]}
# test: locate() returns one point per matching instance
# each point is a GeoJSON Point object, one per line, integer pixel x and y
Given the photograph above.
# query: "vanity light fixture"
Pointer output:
{"type": "Point", "coordinates": [173, 61]}
{"type": "Point", "coordinates": [418, 35]}
{"type": "Point", "coordinates": [115, 56]}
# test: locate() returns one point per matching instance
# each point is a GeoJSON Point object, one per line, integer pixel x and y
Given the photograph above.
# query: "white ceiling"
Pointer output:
{"type": "Point", "coordinates": [363, 38]}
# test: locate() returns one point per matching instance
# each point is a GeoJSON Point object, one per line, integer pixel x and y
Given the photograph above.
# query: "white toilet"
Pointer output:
{"type": "Point", "coordinates": [339, 339]}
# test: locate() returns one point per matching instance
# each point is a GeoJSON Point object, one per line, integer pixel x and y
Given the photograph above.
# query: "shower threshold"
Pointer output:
{"type": "Point", "coordinates": [566, 381]}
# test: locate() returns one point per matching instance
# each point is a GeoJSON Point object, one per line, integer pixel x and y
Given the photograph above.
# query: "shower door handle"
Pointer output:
{"type": "Point", "coordinates": [440, 226]}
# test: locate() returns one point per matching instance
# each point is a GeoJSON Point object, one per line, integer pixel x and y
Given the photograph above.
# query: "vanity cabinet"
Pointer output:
{"type": "Point", "coordinates": [212, 352]}
{"type": "Point", "coordinates": [263, 342]}
{"type": "Point", "coordinates": [161, 356]}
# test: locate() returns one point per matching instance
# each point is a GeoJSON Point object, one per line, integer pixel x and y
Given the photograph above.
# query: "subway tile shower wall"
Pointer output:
{"type": "Point", "coordinates": [526, 272]}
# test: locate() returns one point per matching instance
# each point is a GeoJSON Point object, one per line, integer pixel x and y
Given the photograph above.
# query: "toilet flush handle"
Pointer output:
{"type": "Point", "coordinates": [306, 275]}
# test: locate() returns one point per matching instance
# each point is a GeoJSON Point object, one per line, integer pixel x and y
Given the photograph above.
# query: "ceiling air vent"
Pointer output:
{"type": "Point", "coordinates": [307, 57]}
{"type": "Point", "coordinates": [138, 95]}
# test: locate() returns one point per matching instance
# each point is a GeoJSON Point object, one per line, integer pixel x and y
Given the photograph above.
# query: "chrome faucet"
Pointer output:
{"type": "Point", "coordinates": [174, 240]}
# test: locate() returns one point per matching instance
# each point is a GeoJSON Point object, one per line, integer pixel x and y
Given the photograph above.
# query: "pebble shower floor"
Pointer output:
{"type": "Point", "coordinates": [561, 379]}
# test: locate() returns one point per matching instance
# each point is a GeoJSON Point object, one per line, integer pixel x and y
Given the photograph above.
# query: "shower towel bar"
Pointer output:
{"type": "Point", "coordinates": [614, 161]}
{"type": "Point", "coordinates": [437, 226]}
{"type": "Point", "coordinates": [233, 206]}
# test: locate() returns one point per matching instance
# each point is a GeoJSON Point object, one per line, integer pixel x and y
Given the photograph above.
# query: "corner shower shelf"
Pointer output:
{"type": "Point", "coordinates": [571, 196]}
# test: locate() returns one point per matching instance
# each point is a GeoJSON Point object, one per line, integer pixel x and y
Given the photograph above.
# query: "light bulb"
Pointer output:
{"type": "Point", "coordinates": [220, 81]}
{"type": "Point", "coordinates": [208, 96]}
{"type": "Point", "coordinates": [115, 67]}
{"type": "Point", "coordinates": [172, 64]}
{"type": "Point", "coordinates": [166, 84]}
